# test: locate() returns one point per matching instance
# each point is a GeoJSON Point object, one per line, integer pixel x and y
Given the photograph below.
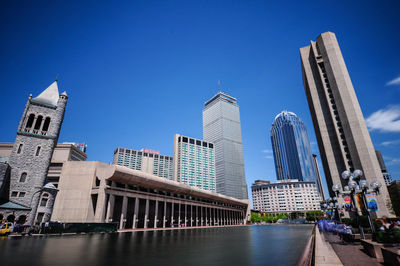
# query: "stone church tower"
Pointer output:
{"type": "Point", "coordinates": [37, 137]}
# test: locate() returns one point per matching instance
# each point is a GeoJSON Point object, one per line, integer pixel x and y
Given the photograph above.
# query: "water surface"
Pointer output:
{"type": "Point", "coordinates": [245, 245]}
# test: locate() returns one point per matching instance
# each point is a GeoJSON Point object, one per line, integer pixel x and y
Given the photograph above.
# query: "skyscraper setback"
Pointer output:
{"type": "Point", "coordinates": [221, 126]}
{"type": "Point", "coordinates": [342, 135]}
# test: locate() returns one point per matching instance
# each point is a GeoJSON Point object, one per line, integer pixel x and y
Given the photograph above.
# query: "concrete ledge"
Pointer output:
{"type": "Point", "coordinates": [324, 254]}
{"type": "Point", "coordinates": [391, 256]}
{"type": "Point", "coordinates": [373, 249]}
{"type": "Point", "coordinates": [177, 228]}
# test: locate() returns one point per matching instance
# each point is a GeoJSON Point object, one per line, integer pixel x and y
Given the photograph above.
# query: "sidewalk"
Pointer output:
{"type": "Point", "coordinates": [350, 253]}
{"type": "Point", "coordinates": [324, 254]}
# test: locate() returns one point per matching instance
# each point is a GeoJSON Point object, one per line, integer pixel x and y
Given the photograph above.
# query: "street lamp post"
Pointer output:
{"type": "Point", "coordinates": [361, 187]}
{"type": "Point", "coordinates": [332, 204]}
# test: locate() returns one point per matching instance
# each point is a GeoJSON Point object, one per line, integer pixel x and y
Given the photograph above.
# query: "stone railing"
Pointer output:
{"type": "Point", "coordinates": [307, 258]}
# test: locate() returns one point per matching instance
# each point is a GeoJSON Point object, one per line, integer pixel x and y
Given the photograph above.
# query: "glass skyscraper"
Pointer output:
{"type": "Point", "coordinates": [221, 126]}
{"type": "Point", "coordinates": [292, 149]}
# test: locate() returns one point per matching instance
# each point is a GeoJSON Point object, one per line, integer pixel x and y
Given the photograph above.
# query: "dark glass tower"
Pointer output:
{"type": "Point", "coordinates": [292, 150]}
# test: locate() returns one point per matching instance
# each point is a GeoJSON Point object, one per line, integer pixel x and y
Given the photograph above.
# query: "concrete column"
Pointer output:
{"type": "Point", "coordinates": [191, 215]}
{"type": "Point", "coordinates": [172, 214]}
{"type": "Point", "coordinates": [122, 220]}
{"type": "Point", "coordinates": [215, 216]}
{"type": "Point", "coordinates": [197, 215]}
{"type": "Point", "coordinates": [201, 216]}
{"type": "Point", "coordinates": [146, 215]}
{"type": "Point", "coordinates": [185, 215]}
{"type": "Point", "coordinates": [179, 215]}
{"type": "Point", "coordinates": [165, 213]}
{"type": "Point", "coordinates": [155, 215]}
{"type": "Point", "coordinates": [110, 208]}
{"type": "Point", "coordinates": [136, 213]}
{"type": "Point", "coordinates": [206, 216]}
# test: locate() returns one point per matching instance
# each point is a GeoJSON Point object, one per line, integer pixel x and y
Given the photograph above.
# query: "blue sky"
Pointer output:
{"type": "Point", "coordinates": [139, 72]}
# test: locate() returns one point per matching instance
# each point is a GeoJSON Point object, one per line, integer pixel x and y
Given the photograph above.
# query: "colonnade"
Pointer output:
{"type": "Point", "coordinates": [145, 211]}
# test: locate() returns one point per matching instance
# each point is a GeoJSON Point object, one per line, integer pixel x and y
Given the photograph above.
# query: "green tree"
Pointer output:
{"type": "Point", "coordinates": [255, 217]}
{"type": "Point", "coordinates": [313, 215]}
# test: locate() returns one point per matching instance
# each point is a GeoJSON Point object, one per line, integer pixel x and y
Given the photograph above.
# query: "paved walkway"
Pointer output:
{"type": "Point", "coordinates": [324, 254]}
{"type": "Point", "coordinates": [350, 254]}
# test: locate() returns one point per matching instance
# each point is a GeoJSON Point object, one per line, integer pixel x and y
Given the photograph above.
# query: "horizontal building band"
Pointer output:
{"type": "Point", "coordinates": [134, 177]}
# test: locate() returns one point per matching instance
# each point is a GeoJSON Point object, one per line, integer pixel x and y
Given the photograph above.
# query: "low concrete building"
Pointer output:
{"type": "Point", "coordinates": [285, 196]}
{"type": "Point", "coordinates": [97, 192]}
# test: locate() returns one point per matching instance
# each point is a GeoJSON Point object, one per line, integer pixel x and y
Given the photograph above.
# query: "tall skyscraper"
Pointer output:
{"type": "Point", "coordinates": [145, 160]}
{"type": "Point", "coordinates": [221, 126]}
{"type": "Point", "coordinates": [194, 162]}
{"type": "Point", "coordinates": [343, 138]}
{"type": "Point", "coordinates": [292, 149]}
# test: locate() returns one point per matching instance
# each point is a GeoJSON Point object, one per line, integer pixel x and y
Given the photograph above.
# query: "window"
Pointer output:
{"type": "Point", "coordinates": [21, 194]}
{"type": "Point", "coordinates": [38, 122]}
{"type": "Point", "coordinates": [20, 148]}
{"type": "Point", "coordinates": [14, 193]}
{"type": "Point", "coordinates": [30, 122]}
{"type": "Point", "coordinates": [23, 177]}
{"type": "Point", "coordinates": [37, 151]}
{"type": "Point", "coordinates": [46, 124]}
{"type": "Point", "coordinates": [43, 201]}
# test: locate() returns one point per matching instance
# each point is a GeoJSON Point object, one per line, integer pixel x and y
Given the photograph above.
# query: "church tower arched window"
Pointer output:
{"type": "Point", "coordinates": [30, 122]}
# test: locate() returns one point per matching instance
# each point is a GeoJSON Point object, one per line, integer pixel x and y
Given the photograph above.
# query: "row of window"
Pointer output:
{"type": "Point", "coordinates": [39, 126]}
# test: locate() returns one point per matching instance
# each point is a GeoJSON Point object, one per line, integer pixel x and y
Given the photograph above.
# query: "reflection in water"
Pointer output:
{"type": "Point", "coordinates": [247, 245]}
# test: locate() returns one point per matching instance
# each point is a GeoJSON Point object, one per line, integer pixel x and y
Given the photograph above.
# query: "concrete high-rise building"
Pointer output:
{"type": "Point", "coordinates": [221, 126]}
{"type": "Point", "coordinates": [386, 176]}
{"type": "Point", "coordinates": [342, 135]}
{"type": "Point", "coordinates": [145, 160]}
{"type": "Point", "coordinates": [194, 162]}
{"type": "Point", "coordinates": [285, 196]}
{"type": "Point", "coordinates": [29, 161]}
{"type": "Point", "coordinates": [319, 180]}
{"type": "Point", "coordinates": [292, 149]}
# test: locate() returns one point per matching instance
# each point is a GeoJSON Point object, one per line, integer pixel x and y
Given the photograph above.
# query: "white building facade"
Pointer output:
{"type": "Point", "coordinates": [285, 196]}
{"type": "Point", "coordinates": [194, 162]}
{"type": "Point", "coordinates": [148, 161]}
